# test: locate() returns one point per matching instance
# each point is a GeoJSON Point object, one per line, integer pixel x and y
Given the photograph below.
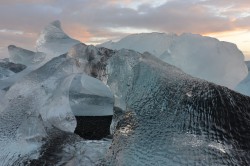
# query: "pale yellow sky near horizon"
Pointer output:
{"type": "Point", "coordinates": [239, 37]}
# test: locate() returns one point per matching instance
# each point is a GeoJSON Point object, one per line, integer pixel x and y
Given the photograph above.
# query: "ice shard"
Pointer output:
{"type": "Point", "coordinates": [53, 41]}
{"type": "Point", "coordinates": [36, 99]}
{"type": "Point", "coordinates": [25, 57]}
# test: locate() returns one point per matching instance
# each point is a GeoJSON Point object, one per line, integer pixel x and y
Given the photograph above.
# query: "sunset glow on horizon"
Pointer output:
{"type": "Point", "coordinates": [97, 21]}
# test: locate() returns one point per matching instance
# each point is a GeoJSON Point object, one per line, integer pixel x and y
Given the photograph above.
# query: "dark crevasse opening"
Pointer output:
{"type": "Point", "coordinates": [93, 127]}
{"type": "Point", "coordinates": [91, 102]}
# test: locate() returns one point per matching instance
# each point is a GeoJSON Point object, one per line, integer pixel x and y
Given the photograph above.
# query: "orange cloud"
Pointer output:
{"type": "Point", "coordinates": [78, 32]}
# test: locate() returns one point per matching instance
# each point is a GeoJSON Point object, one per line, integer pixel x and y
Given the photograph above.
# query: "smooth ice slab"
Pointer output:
{"type": "Point", "coordinates": [25, 57]}
{"type": "Point", "coordinates": [90, 97]}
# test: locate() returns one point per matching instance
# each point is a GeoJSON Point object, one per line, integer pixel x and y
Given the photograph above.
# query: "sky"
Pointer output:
{"type": "Point", "coordinates": [97, 21]}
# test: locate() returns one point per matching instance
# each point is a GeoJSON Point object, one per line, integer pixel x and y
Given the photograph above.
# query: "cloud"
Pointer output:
{"type": "Point", "coordinates": [13, 2]}
{"type": "Point", "coordinates": [94, 21]}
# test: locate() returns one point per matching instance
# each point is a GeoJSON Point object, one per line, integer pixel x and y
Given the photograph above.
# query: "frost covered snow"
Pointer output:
{"type": "Point", "coordinates": [203, 57]}
{"type": "Point", "coordinates": [161, 115]}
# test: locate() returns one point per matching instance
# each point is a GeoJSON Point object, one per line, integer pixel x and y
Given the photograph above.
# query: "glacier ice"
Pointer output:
{"type": "Point", "coordinates": [244, 86]}
{"type": "Point", "coordinates": [155, 43]}
{"type": "Point", "coordinates": [53, 41]}
{"type": "Point", "coordinates": [8, 69]}
{"type": "Point", "coordinates": [20, 63]}
{"type": "Point", "coordinates": [23, 56]}
{"type": "Point", "coordinates": [16, 68]}
{"type": "Point", "coordinates": [27, 101]}
{"type": "Point", "coordinates": [90, 97]}
{"type": "Point", "coordinates": [199, 56]}
{"type": "Point", "coordinates": [168, 116]}
{"type": "Point", "coordinates": [208, 58]}
{"type": "Point", "coordinates": [37, 108]}
{"type": "Point", "coordinates": [162, 116]}
{"type": "Point", "coordinates": [5, 73]}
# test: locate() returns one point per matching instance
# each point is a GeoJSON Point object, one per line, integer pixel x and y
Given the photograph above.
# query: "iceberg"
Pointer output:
{"type": "Point", "coordinates": [161, 115]}
{"type": "Point", "coordinates": [203, 57]}
{"type": "Point", "coordinates": [21, 62]}
{"type": "Point", "coordinates": [155, 43]}
{"type": "Point", "coordinates": [37, 111]}
{"type": "Point", "coordinates": [243, 86]}
{"type": "Point", "coordinates": [167, 116]}
{"type": "Point", "coordinates": [53, 41]}
{"type": "Point", "coordinates": [27, 103]}
{"type": "Point", "coordinates": [23, 56]}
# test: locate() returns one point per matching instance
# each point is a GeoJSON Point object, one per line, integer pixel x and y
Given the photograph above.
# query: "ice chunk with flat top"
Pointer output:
{"type": "Point", "coordinates": [208, 58]}
{"type": "Point", "coordinates": [203, 57]}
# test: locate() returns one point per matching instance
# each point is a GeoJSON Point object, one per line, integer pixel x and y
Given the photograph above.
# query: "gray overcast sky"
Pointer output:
{"type": "Point", "coordinates": [96, 21]}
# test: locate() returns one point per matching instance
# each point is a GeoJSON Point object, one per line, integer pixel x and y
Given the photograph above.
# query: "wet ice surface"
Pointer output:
{"type": "Point", "coordinates": [162, 116]}
{"type": "Point", "coordinates": [68, 149]}
{"type": "Point", "coordinates": [170, 117]}
{"type": "Point", "coordinates": [37, 105]}
{"type": "Point", "coordinates": [22, 117]}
